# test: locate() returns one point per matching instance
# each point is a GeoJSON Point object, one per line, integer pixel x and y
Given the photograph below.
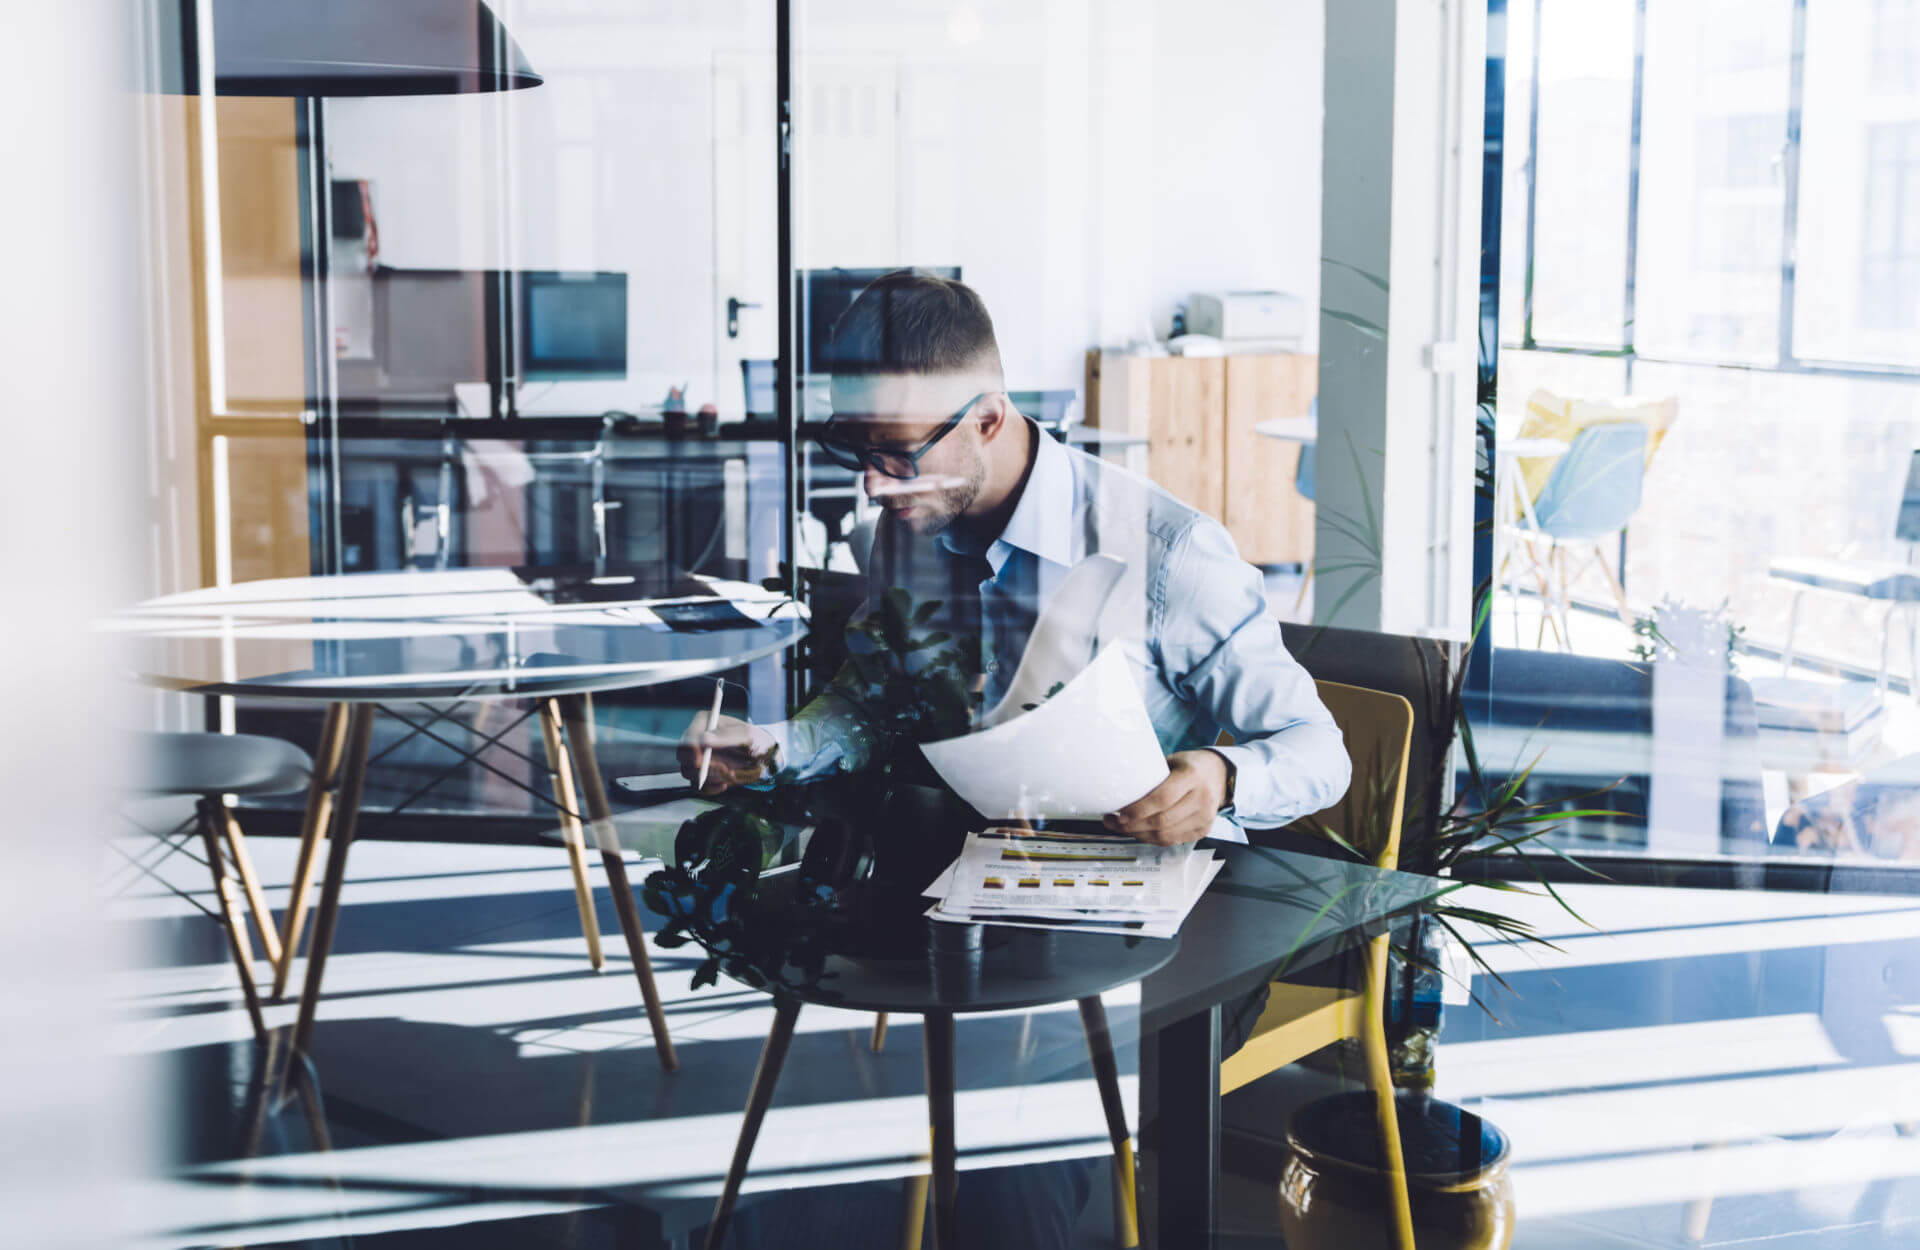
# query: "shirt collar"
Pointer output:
{"type": "Point", "coordinates": [1042, 520]}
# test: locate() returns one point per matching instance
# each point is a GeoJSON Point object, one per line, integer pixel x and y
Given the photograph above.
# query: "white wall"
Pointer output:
{"type": "Point", "coordinates": [1087, 164]}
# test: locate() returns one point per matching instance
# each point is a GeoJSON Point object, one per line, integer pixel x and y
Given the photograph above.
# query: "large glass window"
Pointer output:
{"type": "Point", "coordinates": [1712, 180]}
{"type": "Point", "coordinates": [1583, 124]}
{"type": "Point", "coordinates": [1719, 502]}
{"type": "Point", "coordinates": [1855, 295]}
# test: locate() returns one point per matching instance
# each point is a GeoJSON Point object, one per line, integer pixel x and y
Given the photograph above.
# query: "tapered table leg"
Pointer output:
{"type": "Point", "coordinates": [1106, 1073]}
{"type": "Point", "coordinates": [313, 828]}
{"type": "Point", "coordinates": [209, 815]}
{"type": "Point", "coordinates": [353, 781]}
{"type": "Point", "coordinates": [772, 1057]}
{"type": "Point", "coordinates": [879, 1039]}
{"type": "Point", "coordinates": [260, 1095]}
{"type": "Point", "coordinates": [250, 885]}
{"type": "Point", "coordinates": [913, 1212]}
{"type": "Point", "coordinates": [567, 796]}
{"type": "Point", "coordinates": [578, 720]}
{"type": "Point", "coordinates": [940, 1082]}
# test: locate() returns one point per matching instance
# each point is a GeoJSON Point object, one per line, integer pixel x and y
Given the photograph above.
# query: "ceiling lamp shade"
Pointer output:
{"type": "Point", "coordinates": [354, 48]}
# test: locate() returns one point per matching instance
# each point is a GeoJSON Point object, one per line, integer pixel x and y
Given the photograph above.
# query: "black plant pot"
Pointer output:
{"type": "Point", "coordinates": [1334, 1187]}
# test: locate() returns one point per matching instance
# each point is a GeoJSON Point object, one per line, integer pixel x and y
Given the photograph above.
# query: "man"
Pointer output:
{"type": "Point", "coordinates": [986, 515]}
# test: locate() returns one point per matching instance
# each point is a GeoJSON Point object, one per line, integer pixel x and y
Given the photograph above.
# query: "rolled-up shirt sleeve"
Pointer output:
{"type": "Point", "coordinates": [1221, 649]}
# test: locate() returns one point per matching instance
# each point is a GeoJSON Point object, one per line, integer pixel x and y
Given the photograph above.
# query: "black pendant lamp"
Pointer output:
{"type": "Point", "coordinates": [354, 48]}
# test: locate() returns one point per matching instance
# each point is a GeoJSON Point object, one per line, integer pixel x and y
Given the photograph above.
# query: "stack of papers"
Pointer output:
{"type": "Point", "coordinates": [1086, 882]}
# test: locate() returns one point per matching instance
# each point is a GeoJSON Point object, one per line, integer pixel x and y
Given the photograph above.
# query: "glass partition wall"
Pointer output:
{"type": "Point", "coordinates": [590, 330]}
{"type": "Point", "coordinates": [496, 329]}
{"type": "Point", "coordinates": [1708, 223]}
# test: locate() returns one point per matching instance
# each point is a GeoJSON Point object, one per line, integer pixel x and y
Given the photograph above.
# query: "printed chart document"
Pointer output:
{"type": "Point", "coordinates": [1087, 751]}
{"type": "Point", "coordinates": [1072, 881]}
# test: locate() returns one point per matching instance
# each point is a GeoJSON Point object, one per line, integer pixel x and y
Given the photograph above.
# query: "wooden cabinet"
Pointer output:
{"type": "Point", "coordinates": [1198, 416]}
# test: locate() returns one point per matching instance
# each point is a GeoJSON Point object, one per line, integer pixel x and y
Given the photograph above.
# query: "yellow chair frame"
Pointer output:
{"type": "Point", "coordinates": [1300, 1019]}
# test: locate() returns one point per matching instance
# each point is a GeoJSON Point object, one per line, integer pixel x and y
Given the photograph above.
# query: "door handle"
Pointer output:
{"type": "Point", "coordinates": [734, 305]}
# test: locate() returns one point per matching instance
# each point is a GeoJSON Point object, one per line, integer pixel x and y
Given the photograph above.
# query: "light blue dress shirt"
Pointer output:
{"type": "Point", "coordinates": [1207, 652]}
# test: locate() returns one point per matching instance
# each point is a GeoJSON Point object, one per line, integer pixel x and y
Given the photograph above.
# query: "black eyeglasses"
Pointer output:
{"type": "Point", "coordinates": [893, 462]}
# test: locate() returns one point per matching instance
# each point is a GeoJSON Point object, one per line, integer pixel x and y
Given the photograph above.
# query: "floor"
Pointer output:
{"type": "Point", "coordinates": [1712, 1068]}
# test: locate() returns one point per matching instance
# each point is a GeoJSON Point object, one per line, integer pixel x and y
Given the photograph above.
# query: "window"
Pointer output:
{"type": "Point", "coordinates": [1584, 146]}
{"type": "Point", "coordinates": [1896, 44]}
{"type": "Point", "coordinates": [1765, 445]}
{"type": "Point", "coordinates": [1890, 257]}
{"type": "Point", "coordinates": [1713, 135]}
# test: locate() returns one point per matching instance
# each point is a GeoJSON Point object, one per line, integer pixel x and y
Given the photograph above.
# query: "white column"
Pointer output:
{"type": "Point", "coordinates": [1400, 229]}
{"type": "Point", "coordinates": [73, 384]}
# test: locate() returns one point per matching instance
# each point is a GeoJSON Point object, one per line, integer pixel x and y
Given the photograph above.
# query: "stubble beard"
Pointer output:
{"type": "Point", "coordinates": [939, 509]}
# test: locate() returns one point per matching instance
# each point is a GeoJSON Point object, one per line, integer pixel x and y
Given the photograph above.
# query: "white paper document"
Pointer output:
{"type": "Point", "coordinates": [1087, 751]}
{"type": "Point", "coordinates": [1091, 883]}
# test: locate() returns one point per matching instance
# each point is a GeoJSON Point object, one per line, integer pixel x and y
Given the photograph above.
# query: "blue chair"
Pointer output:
{"type": "Point", "coordinates": [1590, 497]}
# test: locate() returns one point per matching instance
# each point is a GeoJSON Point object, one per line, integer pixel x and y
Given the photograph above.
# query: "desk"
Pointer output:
{"type": "Point", "coordinates": [360, 641]}
{"type": "Point", "coordinates": [1268, 914]}
{"type": "Point", "coordinates": [1896, 585]}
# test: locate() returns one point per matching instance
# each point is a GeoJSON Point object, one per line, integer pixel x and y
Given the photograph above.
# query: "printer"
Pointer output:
{"type": "Point", "coordinates": [1270, 318]}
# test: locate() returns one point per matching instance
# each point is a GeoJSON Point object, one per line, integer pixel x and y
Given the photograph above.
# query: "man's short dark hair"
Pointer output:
{"type": "Point", "coordinates": [913, 322]}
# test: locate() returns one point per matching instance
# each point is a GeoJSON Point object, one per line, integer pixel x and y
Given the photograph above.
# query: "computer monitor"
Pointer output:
{"type": "Point", "coordinates": [826, 293]}
{"type": "Point", "coordinates": [1907, 527]}
{"type": "Point", "coordinates": [572, 325]}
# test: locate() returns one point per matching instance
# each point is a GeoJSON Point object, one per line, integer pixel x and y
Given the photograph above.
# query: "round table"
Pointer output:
{"type": "Point", "coordinates": [943, 970]}
{"type": "Point", "coordinates": [361, 640]}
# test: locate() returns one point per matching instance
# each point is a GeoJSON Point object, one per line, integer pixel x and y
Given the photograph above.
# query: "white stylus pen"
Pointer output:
{"type": "Point", "coordinates": [713, 723]}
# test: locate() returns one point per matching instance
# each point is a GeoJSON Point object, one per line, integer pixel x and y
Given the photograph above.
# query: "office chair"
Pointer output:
{"type": "Point", "coordinates": [211, 766]}
{"type": "Point", "coordinates": [1300, 1019]}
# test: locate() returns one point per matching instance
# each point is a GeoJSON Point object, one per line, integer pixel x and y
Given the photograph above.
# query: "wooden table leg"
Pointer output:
{"type": "Point", "coordinates": [1106, 1073]}
{"type": "Point", "coordinates": [772, 1057]}
{"type": "Point", "coordinates": [567, 796]}
{"type": "Point", "coordinates": [260, 1097]}
{"type": "Point", "coordinates": [878, 1042]}
{"type": "Point", "coordinates": [940, 1083]}
{"type": "Point", "coordinates": [209, 816]}
{"type": "Point", "coordinates": [313, 827]}
{"type": "Point", "coordinates": [578, 720]}
{"type": "Point", "coordinates": [353, 781]}
{"type": "Point", "coordinates": [250, 885]}
{"type": "Point", "coordinates": [913, 1212]}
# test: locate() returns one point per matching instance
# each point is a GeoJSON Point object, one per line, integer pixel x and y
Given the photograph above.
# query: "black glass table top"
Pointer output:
{"type": "Point", "coordinates": [1268, 914]}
